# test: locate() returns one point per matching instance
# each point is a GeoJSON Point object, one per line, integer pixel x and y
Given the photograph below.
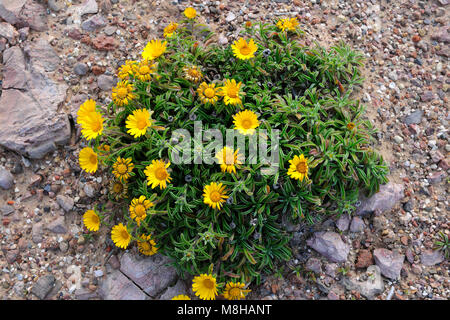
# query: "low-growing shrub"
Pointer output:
{"type": "Point", "coordinates": [272, 92]}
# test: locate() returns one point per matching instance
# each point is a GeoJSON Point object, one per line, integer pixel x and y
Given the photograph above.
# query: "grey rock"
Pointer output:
{"type": "Point", "coordinates": [177, 289]}
{"type": "Point", "coordinates": [6, 179]}
{"type": "Point", "coordinates": [330, 245]}
{"type": "Point", "coordinates": [65, 202]}
{"type": "Point", "coordinates": [81, 69]}
{"type": "Point", "coordinates": [31, 124]}
{"type": "Point", "coordinates": [24, 13]}
{"type": "Point", "coordinates": [330, 269]}
{"type": "Point", "coordinates": [343, 222]}
{"type": "Point", "coordinates": [149, 273]}
{"type": "Point", "coordinates": [43, 286]}
{"type": "Point", "coordinates": [390, 262]}
{"type": "Point", "coordinates": [442, 34]}
{"type": "Point", "coordinates": [36, 232]}
{"type": "Point", "coordinates": [56, 5]}
{"type": "Point", "coordinates": [427, 96]}
{"type": "Point", "coordinates": [2, 44]}
{"type": "Point", "coordinates": [223, 40]}
{"type": "Point", "coordinates": [57, 226]}
{"type": "Point", "coordinates": [110, 30]}
{"type": "Point", "coordinates": [230, 17]}
{"type": "Point", "coordinates": [6, 210]}
{"type": "Point", "coordinates": [106, 82]}
{"type": "Point", "coordinates": [93, 23]}
{"type": "Point", "coordinates": [383, 200]}
{"type": "Point", "coordinates": [431, 257]}
{"type": "Point", "coordinates": [116, 286]}
{"type": "Point", "coordinates": [314, 265]}
{"type": "Point", "coordinates": [8, 32]}
{"type": "Point", "coordinates": [414, 118]}
{"type": "Point", "coordinates": [88, 6]}
{"type": "Point", "coordinates": [357, 225]}
{"type": "Point", "coordinates": [370, 288]}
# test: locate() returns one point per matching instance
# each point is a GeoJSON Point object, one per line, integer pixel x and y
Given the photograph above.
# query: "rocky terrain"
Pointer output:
{"type": "Point", "coordinates": [57, 53]}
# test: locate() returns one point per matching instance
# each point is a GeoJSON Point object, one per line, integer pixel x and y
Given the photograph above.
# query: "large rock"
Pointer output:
{"type": "Point", "coordinates": [370, 288]}
{"type": "Point", "coordinates": [8, 32]}
{"type": "Point", "coordinates": [6, 179]}
{"type": "Point", "coordinates": [24, 13]}
{"type": "Point", "coordinates": [383, 200]}
{"type": "Point", "coordinates": [118, 287]}
{"type": "Point", "coordinates": [390, 262]}
{"type": "Point", "coordinates": [330, 245]}
{"type": "Point", "coordinates": [93, 23]}
{"type": "Point", "coordinates": [43, 286]}
{"type": "Point", "coordinates": [31, 123]}
{"type": "Point", "coordinates": [431, 257]}
{"type": "Point", "coordinates": [149, 273]}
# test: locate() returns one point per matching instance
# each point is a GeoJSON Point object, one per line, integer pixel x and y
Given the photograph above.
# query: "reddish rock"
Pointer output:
{"type": "Point", "coordinates": [97, 70]}
{"type": "Point", "coordinates": [75, 34]}
{"type": "Point", "coordinates": [365, 259]}
{"type": "Point", "coordinates": [416, 38]}
{"type": "Point", "coordinates": [104, 43]}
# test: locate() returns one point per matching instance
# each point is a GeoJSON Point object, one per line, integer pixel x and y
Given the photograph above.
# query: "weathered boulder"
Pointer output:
{"type": "Point", "coordinates": [24, 13]}
{"type": "Point", "coordinates": [390, 262]}
{"type": "Point", "coordinates": [116, 286]}
{"type": "Point", "coordinates": [31, 123]}
{"type": "Point", "coordinates": [370, 288]}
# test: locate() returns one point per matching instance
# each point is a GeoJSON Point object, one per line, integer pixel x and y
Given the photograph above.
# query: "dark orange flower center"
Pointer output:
{"type": "Point", "coordinates": [301, 167]}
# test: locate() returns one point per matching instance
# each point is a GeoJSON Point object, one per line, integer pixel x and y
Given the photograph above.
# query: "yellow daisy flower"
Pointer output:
{"type": "Point", "coordinates": [231, 92]}
{"type": "Point", "coordinates": [147, 246]}
{"type": "Point", "coordinates": [208, 93]}
{"type": "Point", "coordinates": [243, 50]}
{"type": "Point", "coordinates": [246, 121]}
{"type": "Point", "coordinates": [122, 93]}
{"type": "Point", "coordinates": [181, 297]}
{"type": "Point", "coordinates": [144, 70]}
{"type": "Point", "coordinates": [91, 220]}
{"type": "Point", "coordinates": [86, 109]}
{"type": "Point", "coordinates": [118, 189]}
{"type": "Point", "coordinates": [288, 24]}
{"type": "Point", "coordinates": [126, 70]}
{"type": "Point", "coordinates": [228, 158]}
{"type": "Point", "coordinates": [154, 49]}
{"type": "Point", "coordinates": [122, 168]}
{"type": "Point", "coordinates": [138, 122]}
{"type": "Point", "coordinates": [138, 208]}
{"type": "Point", "coordinates": [157, 174]}
{"type": "Point", "coordinates": [190, 13]}
{"type": "Point", "coordinates": [92, 125]}
{"type": "Point", "coordinates": [170, 29]}
{"type": "Point", "coordinates": [120, 236]}
{"type": "Point", "coordinates": [214, 195]}
{"type": "Point", "coordinates": [235, 291]}
{"type": "Point", "coordinates": [351, 126]}
{"type": "Point", "coordinates": [192, 73]}
{"type": "Point", "coordinates": [299, 168]}
{"type": "Point", "coordinates": [205, 287]}
{"type": "Point", "coordinates": [88, 160]}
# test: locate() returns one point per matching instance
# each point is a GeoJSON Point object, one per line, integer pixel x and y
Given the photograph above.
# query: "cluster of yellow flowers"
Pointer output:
{"type": "Point", "coordinates": [157, 174]}
{"type": "Point", "coordinates": [287, 24]}
{"type": "Point", "coordinates": [205, 287]}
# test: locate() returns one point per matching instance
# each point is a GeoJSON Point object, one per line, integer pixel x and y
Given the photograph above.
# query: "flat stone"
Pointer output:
{"type": "Point", "coordinates": [94, 23]}
{"type": "Point", "coordinates": [388, 195]}
{"type": "Point", "coordinates": [43, 286]}
{"type": "Point", "coordinates": [81, 69]}
{"type": "Point", "coordinates": [116, 286]}
{"type": "Point", "coordinates": [314, 265]}
{"type": "Point", "coordinates": [369, 288]}
{"type": "Point", "coordinates": [330, 245]}
{"type": "Point", "coordinates": [414, 118]}
{"type": "Point", "coordinates": [442, 34]}
{"type": "Point", "coordinates": [88, 7]}
{"type": "Point", "coordinates": [105, 82]}
{"type": "Point", "coordinates": [431, 257]}
{"type": "Point", "coordinates": [390, 262]}
{"type": "Point", "coordinates": [6, 179]}
{"type": "Point", "coordinates": [343, 222]}
{"type": "Point", "coordinates": [31, 124]}
{"type": "Point", "coordinates": [6, 210]}
{"type": "Point", "coordinates": [357, 225]}
{"type": "Point", "coordinates": [65, 202]}
{"type": "Point", "coordinates": [149, 273]}
{"type": "Point", "coordinates": [37, 232]}
{"type": "Point", "coordinates": [57, 226]}
{"type": "Point", "coordinates": [24, 13]}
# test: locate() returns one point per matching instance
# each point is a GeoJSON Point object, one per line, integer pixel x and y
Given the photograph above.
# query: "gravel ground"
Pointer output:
{"type": "Point", "coordinates": [407, 46]}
